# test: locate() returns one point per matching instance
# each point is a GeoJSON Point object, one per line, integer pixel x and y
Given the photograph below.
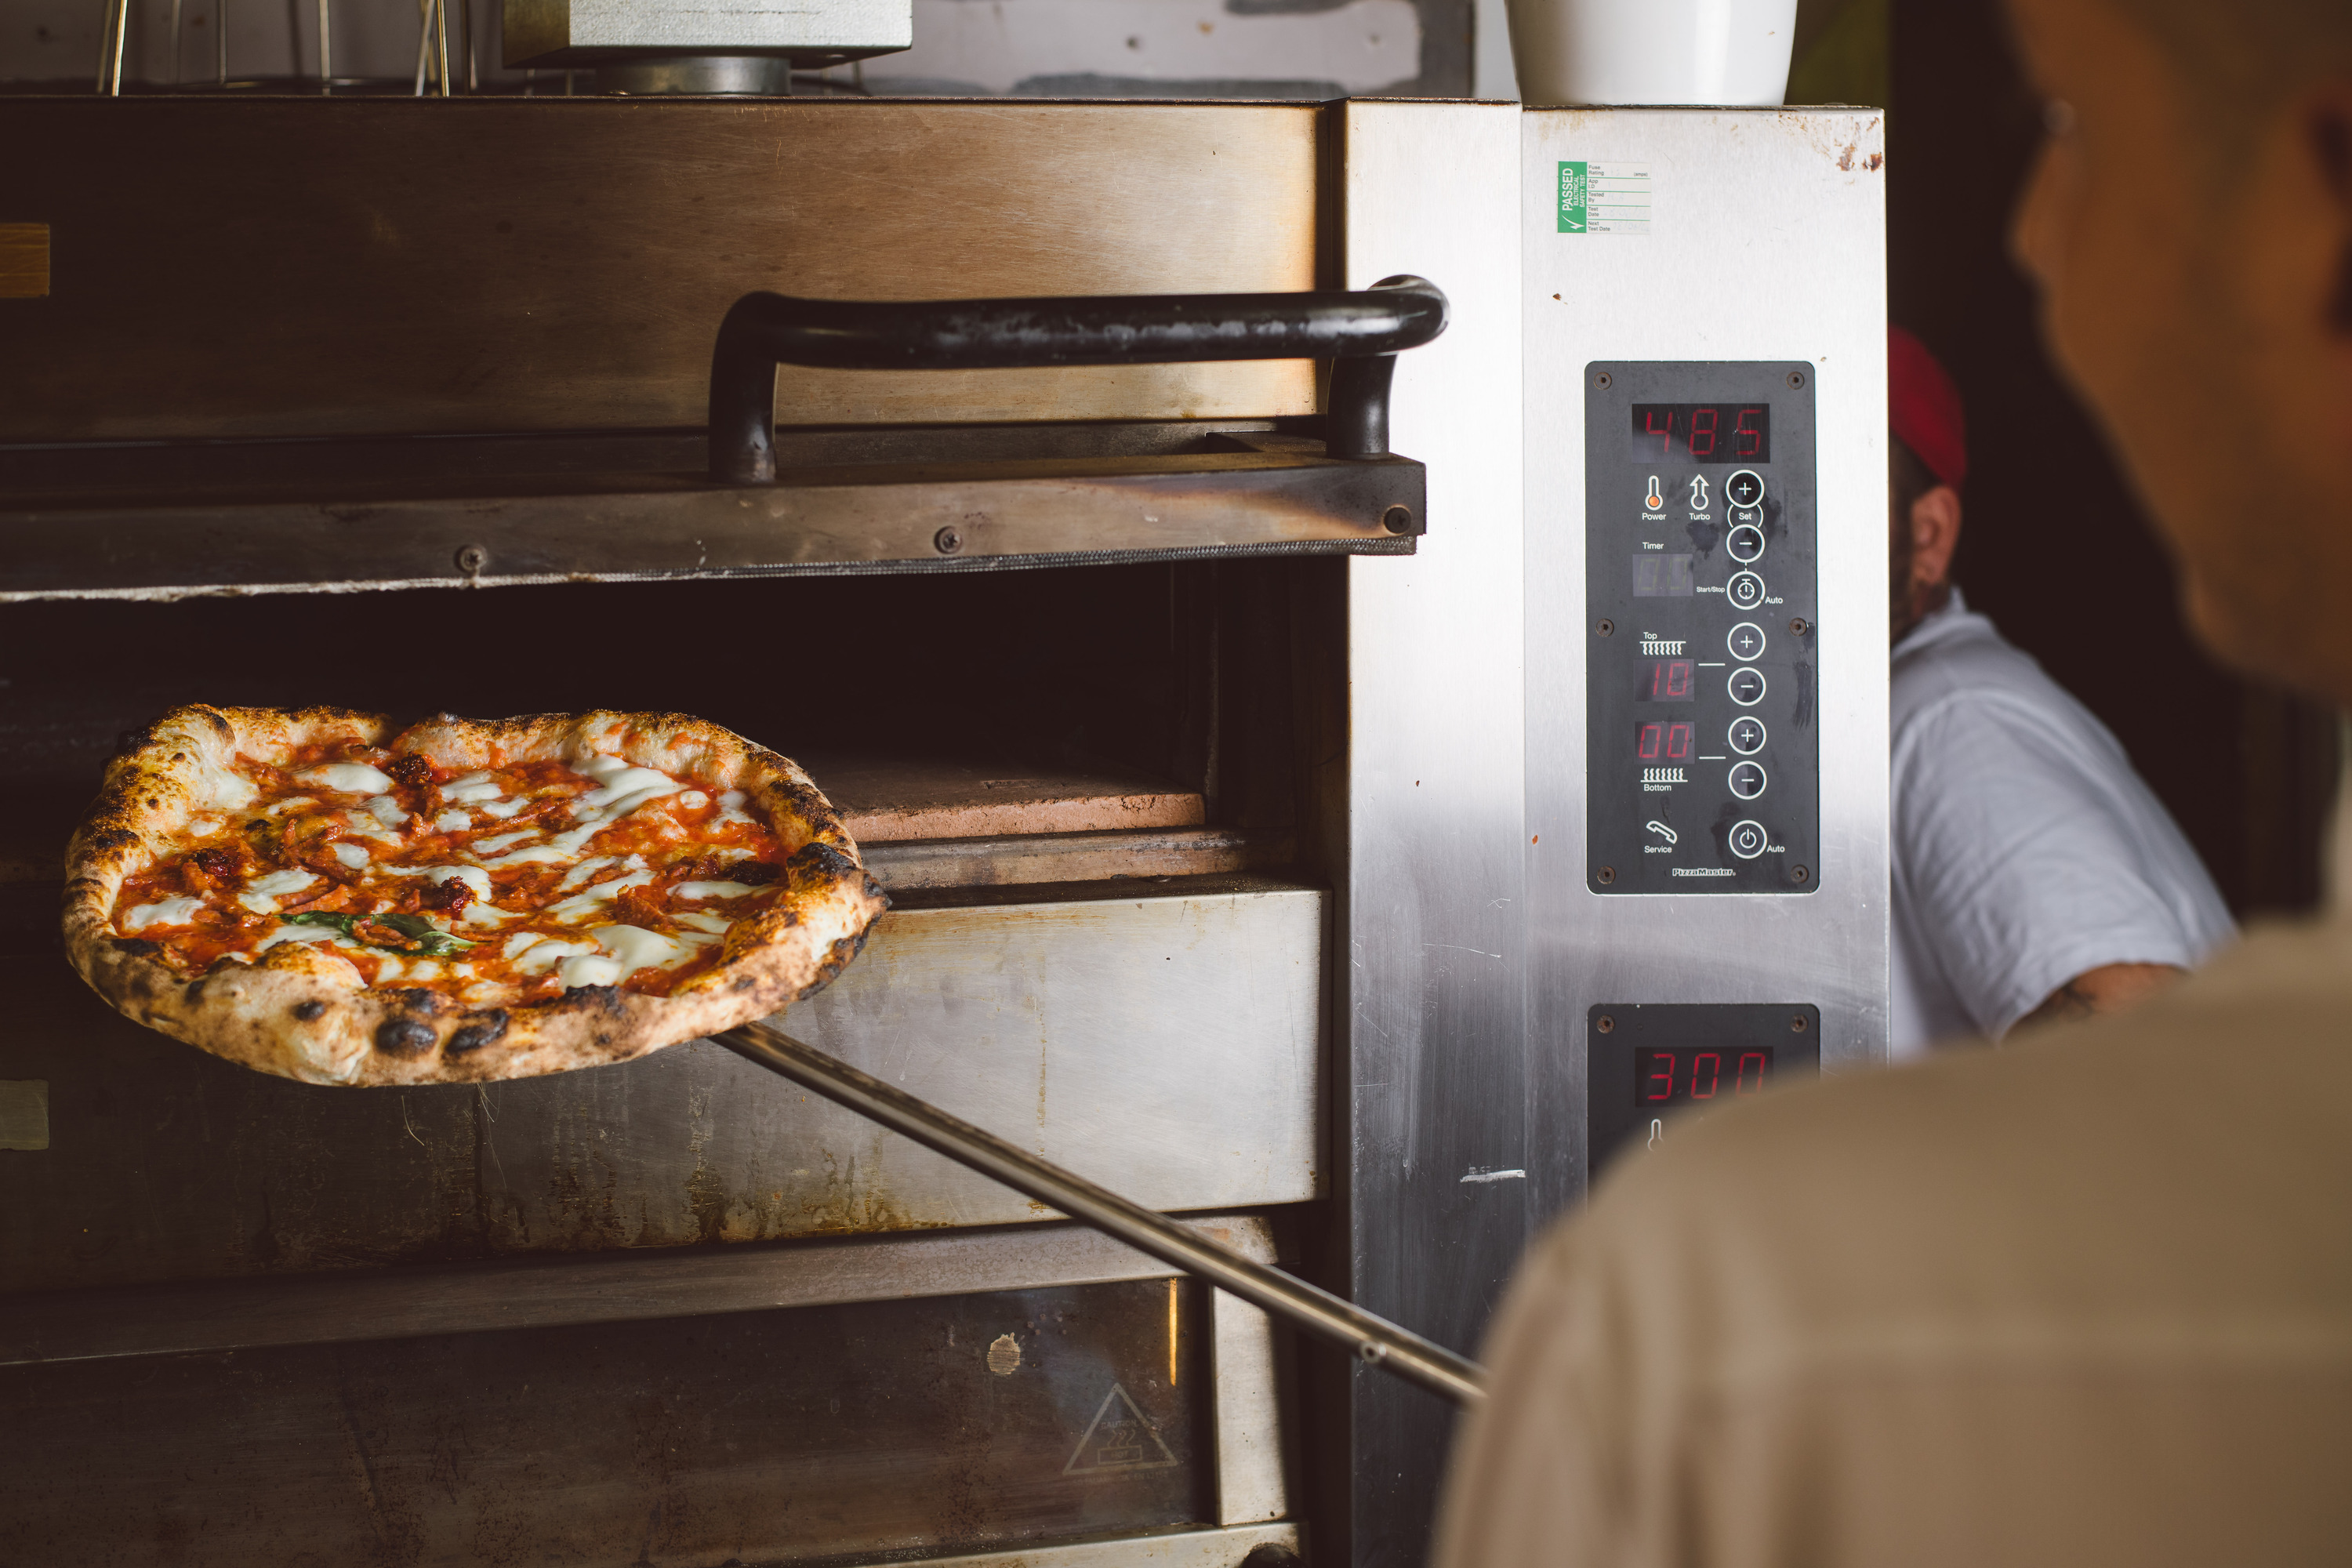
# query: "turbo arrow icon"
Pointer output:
{"type": "Point", "coordinates": [1698, 492]}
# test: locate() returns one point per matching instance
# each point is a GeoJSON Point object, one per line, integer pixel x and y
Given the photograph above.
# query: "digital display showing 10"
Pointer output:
{"type": "Point", "coordinates": [1667, 681]}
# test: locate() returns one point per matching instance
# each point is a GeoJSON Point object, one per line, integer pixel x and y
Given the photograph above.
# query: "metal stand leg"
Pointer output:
{"type": "Point", "coordinates": [326, 53]}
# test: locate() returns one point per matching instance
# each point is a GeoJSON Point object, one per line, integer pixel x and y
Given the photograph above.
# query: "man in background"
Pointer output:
{"type": "Point", "coordinates": [2086, 1300]}
{"type": "Point", "coordinates": [2035, 876]}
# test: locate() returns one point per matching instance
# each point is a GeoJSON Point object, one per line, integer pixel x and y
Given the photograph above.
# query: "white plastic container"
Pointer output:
{"type": "Point", "coordinates": [1722, 52]}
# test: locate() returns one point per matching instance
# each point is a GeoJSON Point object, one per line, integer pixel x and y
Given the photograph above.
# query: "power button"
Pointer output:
{"type": "Point", "coordinates": [1746, 839]}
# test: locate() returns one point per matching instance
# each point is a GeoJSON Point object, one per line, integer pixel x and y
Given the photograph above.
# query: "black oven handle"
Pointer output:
{"type": "Point", "coordinates": [1360, 331]}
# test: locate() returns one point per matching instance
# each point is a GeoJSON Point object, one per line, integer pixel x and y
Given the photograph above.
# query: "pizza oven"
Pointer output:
{"type": "Point", "coordinates": [1237, 739]}
{"type": "Point", "coordinates": [404, 405]}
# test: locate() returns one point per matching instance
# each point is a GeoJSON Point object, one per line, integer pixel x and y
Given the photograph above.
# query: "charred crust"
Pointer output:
{"type": "Point", "coordinates": [817, 863]}
{"type": "Point", "coordinates": [309, 1012]}
{"type": "Point", "coordinates": [486, 1029]}
{"type": "Point", "coordinates": [137, 946]}
{"type": "Point", "coordinates": [401, 1035]}
{"type": "Point", "coordinates": [608, 999]}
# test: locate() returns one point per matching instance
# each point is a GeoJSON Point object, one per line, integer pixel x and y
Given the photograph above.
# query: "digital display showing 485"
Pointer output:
{"type": "Point", "coordinates": [1703, 432]}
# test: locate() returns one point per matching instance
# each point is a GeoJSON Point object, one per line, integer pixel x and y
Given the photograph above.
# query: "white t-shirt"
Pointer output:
{"type": "Point", "coordinates": [2026, 850]}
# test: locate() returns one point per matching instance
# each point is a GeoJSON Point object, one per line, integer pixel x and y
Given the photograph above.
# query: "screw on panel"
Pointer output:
{"type": "Point", "coordinates": [472, 558]}
{"type": "Point", "coordinates": [1798, 625]}
{"type": "Point", "coordinates": [1796, 379]}
{"type": "Point", "coordinates": [1603, 628]}
{"type": "Point", "coordinates": [1607, 874]}
{"type": "Point", "coordinates": [1600, 377]}
{"type": "Point", "coordinates": [1397, 519]}
{"type": "Point", "coordinates": [1798, 1024]}
{"type": "Point", "coordinates": [1799, 874]}
{"type": "Point", "coordinates": [1604, 1023]}
{"type": "Point", "coordinates": [947, 540]}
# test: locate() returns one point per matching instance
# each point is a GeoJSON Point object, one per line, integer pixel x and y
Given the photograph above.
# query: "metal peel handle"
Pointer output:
{"type": "Point", "coordinates": [1376, 1340]}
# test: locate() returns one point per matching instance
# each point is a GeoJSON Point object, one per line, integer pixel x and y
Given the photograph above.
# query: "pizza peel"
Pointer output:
{"type": "Point", "coordinates": [1374, 1340]}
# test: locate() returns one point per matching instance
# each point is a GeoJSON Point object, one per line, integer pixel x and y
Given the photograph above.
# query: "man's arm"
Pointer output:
{"type": "Point", "coordinates": [2110, 988]}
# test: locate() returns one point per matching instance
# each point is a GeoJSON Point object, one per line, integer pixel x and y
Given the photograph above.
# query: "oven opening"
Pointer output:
{"type": "Point", "coordinates": [1071, 725]}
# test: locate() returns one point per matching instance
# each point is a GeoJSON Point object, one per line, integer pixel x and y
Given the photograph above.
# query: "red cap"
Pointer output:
{"type": "Point", "coordinates": [1924, 408]}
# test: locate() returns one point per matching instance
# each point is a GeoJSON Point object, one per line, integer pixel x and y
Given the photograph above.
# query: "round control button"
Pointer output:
{"type": "Point", "coordinates": [1747, 780]}
{"type": "Point", "coordinates": [1745, 641]}
{"type": "Point", "coordinates": [1744, 488]}
{"type": "Point", "coordinates": [1746, 839]}
{"type": "Point", "coordinates": [1745, 543]}
{"type": "Point", "coordinates": [1746, 590]}
{"type": "Point", "coordinates": [1747, 686]}
{"type": "Point", "coordinates": [1747, 735]}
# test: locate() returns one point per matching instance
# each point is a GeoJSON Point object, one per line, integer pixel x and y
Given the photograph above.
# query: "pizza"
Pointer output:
{"type": "Point", "coordinates": [319, 895]}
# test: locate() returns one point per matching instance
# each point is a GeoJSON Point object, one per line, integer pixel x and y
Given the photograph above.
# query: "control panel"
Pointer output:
{"type": "Point", "coordinates": [1650, 1068]}
{"type": "Point", "coordinates": [1703, 750]}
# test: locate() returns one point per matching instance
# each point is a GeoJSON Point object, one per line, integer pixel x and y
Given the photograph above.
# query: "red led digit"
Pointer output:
{"type": "Point", "coordinates": [1649, 744]}
{"type": "Point", "coordinates": [1678, 743]}
{"type": "Point", "coordinates": [1702, 425]}
{"type": "Point", "coordinates": [1746, 439]}
{"type": "Point", "coordinates": [1677, 679]}
{"type": "Point", "coordinates": [1709, 1064]}
{"type": "Point", "coordinates": [1660, 1083]}
{"type": "Point", "coordinates": [1761, 1063]}
{"type": "Point", "coordinates": [1666, 436]}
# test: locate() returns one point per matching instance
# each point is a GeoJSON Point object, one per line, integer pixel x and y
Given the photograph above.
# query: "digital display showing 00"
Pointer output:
{"type": "Point", "coordinates": [1702, 432]}
{"type": "Point", "coordinates": [1674, 1075]}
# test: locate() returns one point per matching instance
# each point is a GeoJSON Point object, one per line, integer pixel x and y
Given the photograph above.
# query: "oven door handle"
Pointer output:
{"type": "Point", "coordinates": [1362, 333]}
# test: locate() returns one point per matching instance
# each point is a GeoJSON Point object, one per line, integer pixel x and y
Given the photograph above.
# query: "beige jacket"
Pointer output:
{"type": "Point", "coordinates": [2084, 1301]}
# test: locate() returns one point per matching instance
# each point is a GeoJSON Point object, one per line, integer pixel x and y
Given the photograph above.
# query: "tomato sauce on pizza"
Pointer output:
{"type": "Point", "coordinates": [500, 886]}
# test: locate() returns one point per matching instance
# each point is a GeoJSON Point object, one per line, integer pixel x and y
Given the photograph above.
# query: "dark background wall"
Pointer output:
{"type": "Point", "coordinates": [2055, 548]}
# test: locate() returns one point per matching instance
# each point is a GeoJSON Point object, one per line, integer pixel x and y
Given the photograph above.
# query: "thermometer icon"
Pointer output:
{"type": "Point", "coordinates": [1698, 492]}
{"type": "Point", "coordinates": [1655, 501]}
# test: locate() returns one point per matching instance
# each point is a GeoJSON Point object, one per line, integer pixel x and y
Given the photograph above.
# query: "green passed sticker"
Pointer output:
{"type": "Point", "coordinates": [1575, 185]}
{"type": "Point", "coordinates": [1604, 198]}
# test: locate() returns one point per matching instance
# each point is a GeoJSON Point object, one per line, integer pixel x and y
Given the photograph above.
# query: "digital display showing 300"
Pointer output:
{"type": "Point", "coordinates": [1672, 1075]}
{"type": "Point", "coordinates": [1703, 432]}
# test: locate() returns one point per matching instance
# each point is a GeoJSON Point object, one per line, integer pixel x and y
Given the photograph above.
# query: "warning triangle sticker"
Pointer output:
{"type": "Point", "coordinates": [1119, 1438]}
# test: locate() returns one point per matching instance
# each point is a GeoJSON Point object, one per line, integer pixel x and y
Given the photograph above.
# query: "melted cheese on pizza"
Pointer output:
{"type": "Point", "coordinates": [501, 885]}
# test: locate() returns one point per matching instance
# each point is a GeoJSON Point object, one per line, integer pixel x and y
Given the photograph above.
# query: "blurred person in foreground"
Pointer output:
{"type": "Point", "coordinates": [2036, 876]}
{"type": "Point", "coordinates": [2086, 1300]}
